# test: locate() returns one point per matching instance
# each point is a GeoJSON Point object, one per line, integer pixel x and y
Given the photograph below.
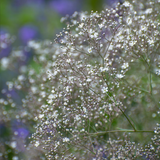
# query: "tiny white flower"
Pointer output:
{"type": "Point", "coordinates": [77, 117]}
{"type": "Point", "coordinates": [104, 89]}
{"type": "Point", "coordinates": [36, 144]}
{"type": "Point", "coordinates": [68, 60]}
{"type": "Point", "coordinates": [149, 10]}
{"type": "Point", "coordinates": [151, 41]}
{"type": "Point", "coordinates": [101, 45]}
{"type": "Point", "coordinates": [81, 25]}
{"type": "Point", "coordinates": [21, 77]}
{"type": "Point", "coordinates": [83, 16]}
{"type": "Point", "coordinates": [89, 80]}
{"type": "Point", "coordinates": [89, 50]}
{"type": "Point", "coordinates": [101, 25]}
{"type": "Point", "coordinates": [5, 62]}
{"type": "Point", "coordinates": [120, 75]}
{"type": "Point", "coordinates": [125, 65]}
{"type": "Point", "coordinates": [84, 109]}
{"type": "Point", "coordinates": [126, 4]}
{"type": "Point", "coordinates": [41, 116]}
{"type": "Point", "coordinates": [13, 144]}
{"type": "Point", "coordinates": [65, 139]}
{"type": "Point", "coordinates": [15, 158]}
{"type": "Point", "coordinates": [129, 21]}
{"type": "Point", "coordinates": [103, 69]}
{"type": "Point", "coordinates": [34, 89]}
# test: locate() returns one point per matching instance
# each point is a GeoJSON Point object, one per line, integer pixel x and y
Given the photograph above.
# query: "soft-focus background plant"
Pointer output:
{"type": "Point", "coordinates": [20, 22]}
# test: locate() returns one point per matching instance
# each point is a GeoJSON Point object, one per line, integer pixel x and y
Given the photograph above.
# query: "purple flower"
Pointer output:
{"type": "Point", "coordinates": [27, 33]}
{"type": "Point", "coordinates": [5, 45]}
{"type": "Point", "coordinates": [64, 7]}
{"type": "Point", "coordinates": [13, 94]}
{"type": "Point", "coordinates": [5, 52]}
{"type": "Point", "coordinates": [19, 129]}
{"type": "Point", "coordinates": [21, 132]}
{"type": "Point", "coordinates": [112, 3]}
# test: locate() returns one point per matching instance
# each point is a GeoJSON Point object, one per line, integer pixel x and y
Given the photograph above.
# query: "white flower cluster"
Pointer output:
{"type": "Point", "coordinates": [103, 70]}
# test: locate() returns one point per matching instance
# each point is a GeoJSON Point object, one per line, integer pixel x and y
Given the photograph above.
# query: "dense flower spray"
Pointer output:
{"type": "Point", "coordinates": [94, 85]}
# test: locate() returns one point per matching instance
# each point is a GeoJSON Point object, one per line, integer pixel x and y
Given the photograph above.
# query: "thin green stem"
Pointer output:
{"type": "Point", "coordinates": [128, 119]}
{"type": "Point", "coordinates": [125, 116]}
{"type": "Point", "coordinates": [150, 81]}
{"type": "Point", "coordinates": [123, 130]}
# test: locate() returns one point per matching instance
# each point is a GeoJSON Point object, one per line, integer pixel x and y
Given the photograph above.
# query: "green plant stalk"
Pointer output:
{"type": "Point", "coordinates": [123, 130]}
{"type": "Point", "coordinates": [126, 117]}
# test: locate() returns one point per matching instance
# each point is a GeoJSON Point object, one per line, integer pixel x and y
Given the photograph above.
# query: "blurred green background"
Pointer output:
{"type": "Point", "coordinates": [42, 16]}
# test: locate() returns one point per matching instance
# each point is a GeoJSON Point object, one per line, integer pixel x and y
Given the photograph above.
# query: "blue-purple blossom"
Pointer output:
{"type": "Point", "coordinates": [19, 129]}
{"type": "Point", "coordinates": [27, 33]}
{"type": "Point", "coordinates": [21, 132]}
{"type": "Point", "coordinates": [5, 45]}
{"type": "Point", "coordinates": [113, 3]}
{"type": "Point", "coordinates": [64, 7]}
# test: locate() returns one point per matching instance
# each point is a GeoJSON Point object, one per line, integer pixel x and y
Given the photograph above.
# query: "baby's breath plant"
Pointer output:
{"type": "Point", "coordinates": [94, 92]}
